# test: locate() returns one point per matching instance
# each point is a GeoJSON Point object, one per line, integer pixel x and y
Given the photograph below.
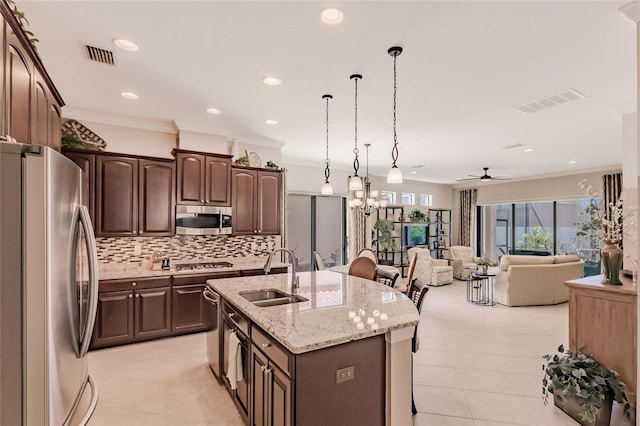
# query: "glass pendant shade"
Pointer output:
{"type": "Point", "coordinates": [355, 183]}
{"type": "Point", "coordinates": [327, 189]}
{"type": "Point", "coordinates": [395, 175]}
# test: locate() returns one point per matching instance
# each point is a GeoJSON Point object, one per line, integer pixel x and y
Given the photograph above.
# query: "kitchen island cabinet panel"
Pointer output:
{"type": "Point", "coordinates": [116, 196]}
{"type": "Point", "coordinates": [153, 313]}
{"type": "Point", "coordinates": [156, 197]}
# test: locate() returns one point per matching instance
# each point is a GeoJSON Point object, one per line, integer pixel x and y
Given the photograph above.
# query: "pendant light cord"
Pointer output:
{"type": "Point", "coordinates": [327, 172]}
{"type": "Point", "coordinates": [394, 150]}
{"type": "Point", "coordinates": [356, 162]}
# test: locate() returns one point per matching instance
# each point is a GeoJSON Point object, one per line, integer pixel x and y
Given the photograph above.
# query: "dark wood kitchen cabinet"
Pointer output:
{"type": "Point", "coordinates": [116, 196]}
{"type": "Point", "coordinates": [203, 178]}
{"type": "Point", "coordinates": [87, 163]}
{"type": "Point", "coordinates": [256, 201]}
{"type": "Point", "coordinates": [156, 198]}
{"type": "Point", "coordinates": [132, 310]}
{"type": "Point", "coordinates": [28, 94]}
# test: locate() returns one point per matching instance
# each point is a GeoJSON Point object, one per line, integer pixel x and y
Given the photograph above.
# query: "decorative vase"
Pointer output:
{"type": "Point", "coordinates": [572, 408]}
{"type": "Point", "coordinates": [611, 256]}
{"type": "Point", "coordinates": [484, 269]}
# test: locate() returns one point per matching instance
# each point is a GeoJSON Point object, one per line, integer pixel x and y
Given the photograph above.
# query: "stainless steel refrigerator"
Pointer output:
{"type": "Point", "coordinates": [48, 289]}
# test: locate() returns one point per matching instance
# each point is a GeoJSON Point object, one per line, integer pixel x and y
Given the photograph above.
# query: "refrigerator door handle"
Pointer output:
{"type": "Point", "coordinates": [92, 296]}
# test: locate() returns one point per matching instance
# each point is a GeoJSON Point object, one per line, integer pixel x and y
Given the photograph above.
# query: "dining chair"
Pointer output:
{"type": "Point", "coordinates": [387, 277]}
{"type": "Point", "coordinates": [369, 254]}
{"type": "Point", "coordinates": [363, 267]}
{"type": "Point", "coordinates": [412, 268]}
{"type": "Point", "coordinates": [417, 291]}
{"type": "Point", "coordinates": [318, 261]}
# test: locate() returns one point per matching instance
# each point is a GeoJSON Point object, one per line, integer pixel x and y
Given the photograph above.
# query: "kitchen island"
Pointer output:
{"type": "Point", "coordinates": [342, 356]}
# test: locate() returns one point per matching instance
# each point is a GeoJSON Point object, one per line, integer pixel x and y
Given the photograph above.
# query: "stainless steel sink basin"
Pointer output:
{"type": "Point", "coordinates": [271, 297]}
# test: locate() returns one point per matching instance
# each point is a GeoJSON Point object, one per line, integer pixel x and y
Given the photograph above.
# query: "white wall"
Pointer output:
{"type": "Point", "coordinates": [204, 142]}
{"type": "Point", "coordinates": [309, 179]}
{"type": "Point", "coordinates": [629, 183]}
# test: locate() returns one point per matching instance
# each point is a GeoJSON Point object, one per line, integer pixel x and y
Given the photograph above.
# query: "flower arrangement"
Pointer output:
{"type": "Point", "coordinates": [612, 228]}
{"type": "Point", "coordinates": [483, 261]}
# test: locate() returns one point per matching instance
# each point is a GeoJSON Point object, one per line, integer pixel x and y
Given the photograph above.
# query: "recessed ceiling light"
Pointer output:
{"type": "Point", "coordinates": [572, 162]}
{"type": "Point", "coordinates": [331, 16]}
{"type": "Point", "coordinates": [271, 121]}
{"type": "Point", "coordinates": [413, 172]}
{"type": "Point", "coordinates": [528, 149]}
{"type": "Point", "coordinates": [214, 111]}
{"type": "Point", "coordinates": [129, 95]}
{"type": "Point", "coordinates": [271, 81]}
{"type": "Point", "coordinates": [125, 44]}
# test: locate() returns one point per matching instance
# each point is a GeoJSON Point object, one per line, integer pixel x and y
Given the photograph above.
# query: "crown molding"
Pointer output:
{"type": "Point", "coordinates": [631, 10]}
{"type": "Point", "coordinates": [119, 120]}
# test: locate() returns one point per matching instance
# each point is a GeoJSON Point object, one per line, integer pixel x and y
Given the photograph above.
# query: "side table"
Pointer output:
{"type": "Point", "coordinates": [480, 289]}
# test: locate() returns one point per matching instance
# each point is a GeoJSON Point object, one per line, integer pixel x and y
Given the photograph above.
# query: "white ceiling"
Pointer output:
{"type": "Point", "coordinates": [464, 66]}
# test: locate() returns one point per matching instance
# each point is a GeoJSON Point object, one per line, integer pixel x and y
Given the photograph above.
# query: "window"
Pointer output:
{"type": "Point", "coordinates": [408, 198]}
{"type": "Point", "coordinates": [389, 196]}
{"type": "Point", "coordinates": [426, 200]}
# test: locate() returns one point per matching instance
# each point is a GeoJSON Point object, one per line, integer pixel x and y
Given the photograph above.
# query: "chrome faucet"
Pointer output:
{"type": "Point", "coordinates": [295, 282]}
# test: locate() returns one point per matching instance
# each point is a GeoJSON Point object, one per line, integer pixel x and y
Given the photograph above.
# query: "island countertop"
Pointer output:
{"type": "Point", "coordinates": [330, 316]}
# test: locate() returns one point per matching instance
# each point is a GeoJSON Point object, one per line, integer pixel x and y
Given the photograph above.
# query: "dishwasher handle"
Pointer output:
{"type": "Point", "coordinates": [210, 296]}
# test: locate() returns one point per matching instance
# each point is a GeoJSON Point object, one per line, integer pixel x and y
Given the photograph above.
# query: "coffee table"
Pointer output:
{"type": "Point", "coordinates": [480, 289]}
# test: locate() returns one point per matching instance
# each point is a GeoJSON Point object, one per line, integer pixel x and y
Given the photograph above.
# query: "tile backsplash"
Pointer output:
{"type": "Point", "coordinates": [183, 248]}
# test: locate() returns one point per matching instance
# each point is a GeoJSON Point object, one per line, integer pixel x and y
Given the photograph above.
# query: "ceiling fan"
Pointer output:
{"type": "Point", "coordinates": [484, 178]}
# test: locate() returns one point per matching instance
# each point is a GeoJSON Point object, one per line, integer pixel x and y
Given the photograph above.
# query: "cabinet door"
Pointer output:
{"type": "Point", "coordinates": [189, 309]}
{"type": "Point", "coordinates": [156, 198]}
{"type": "Point", "coordinates": [218, 181]}
{"type": "Point", "coordinates": [191, 178]}
{"type": "Point", "coordinates": [116, 196]}
{"type": "Point", "coordinates": [114, 319]}
{"type": "Point", "coordinates": [153, 313]}
{"type": "Point", "coordinates": [55, 125]}
{"type": "Point", "coordinates": [40, 113]}
{"type": "Point", "coordinates": [18, 79]}
{"type": "Point", "coordinates": [279, 397]}
{"type": "Point", "coordinates": [244, 201]}
{"type": "Point", "coordinates": [269, 202]}
{"type": "Point", "coordinates": [86, 162]}
{"type": "Point", "coordinates": [259, 364]}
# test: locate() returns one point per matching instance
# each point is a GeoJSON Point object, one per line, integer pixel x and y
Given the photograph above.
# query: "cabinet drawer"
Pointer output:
{"type": "Point", "coordinates": [202, 278]}
{"type": "Point", "coordinates": [279, 355]}
{"type": "Point", "coordinates": [236, 318]}
{"type": "Point", "coordinates": [134, 284]}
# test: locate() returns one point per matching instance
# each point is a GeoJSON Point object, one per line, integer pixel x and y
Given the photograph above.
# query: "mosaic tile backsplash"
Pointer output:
{"type": "Point", "coordinates": [183, 248]}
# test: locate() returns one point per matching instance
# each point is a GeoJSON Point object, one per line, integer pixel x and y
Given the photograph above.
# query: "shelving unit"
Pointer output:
{"type": "Point", "coordinates": [439, 231]}
{"type": "Point", "coordinates": [398, 257]}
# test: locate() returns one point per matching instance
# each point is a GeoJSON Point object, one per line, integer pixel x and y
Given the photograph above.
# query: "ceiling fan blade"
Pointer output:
{"type": "Point", "coordinates": [501, 178]}
{"type": "Point", "coordinates": [473, 178]}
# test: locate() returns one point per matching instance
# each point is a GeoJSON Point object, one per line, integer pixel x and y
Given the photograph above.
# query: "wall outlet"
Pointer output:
{"type": "Point", "coordinates": [137, 249]}
{"type": "Point", "coordinates": [345, 374]}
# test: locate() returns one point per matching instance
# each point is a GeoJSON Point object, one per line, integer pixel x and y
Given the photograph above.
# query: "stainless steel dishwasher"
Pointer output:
{"type": "Point", "coordinates": [213, 334]}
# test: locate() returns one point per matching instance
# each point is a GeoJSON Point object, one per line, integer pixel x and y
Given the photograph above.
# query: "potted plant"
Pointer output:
{"type": "Point", "coordinates": [483, 263]}
{"type": "Point", "coordinates": [417, 215]}
{"type": "Point", "coordinates": [385, 241]}
{"type": "Point", "coordinates": [581, 387]}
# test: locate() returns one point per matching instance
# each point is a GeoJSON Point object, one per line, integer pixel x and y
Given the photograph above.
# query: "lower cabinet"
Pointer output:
{"type": "Point", "coordinates": [132, 310]}
{"type": "Point", "coordinates": [272, 392]}
{"type": "Point", "coordinates": [189, 309]}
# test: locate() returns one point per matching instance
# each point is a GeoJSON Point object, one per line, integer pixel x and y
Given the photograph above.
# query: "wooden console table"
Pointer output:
{"type": "Point", "coordinates": [603, 319]}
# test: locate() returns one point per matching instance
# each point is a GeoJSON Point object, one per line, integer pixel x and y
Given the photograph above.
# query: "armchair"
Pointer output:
{"type": "Point", "coordinates": [433, 272]}
{"type": "Point", "coordinates": [462, 261]}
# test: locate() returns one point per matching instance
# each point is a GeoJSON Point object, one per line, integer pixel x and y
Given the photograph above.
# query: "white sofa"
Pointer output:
{"type": "Point", "coordinates": [535, 280]}
{"type": "Point", "coordinates": [433, 272]}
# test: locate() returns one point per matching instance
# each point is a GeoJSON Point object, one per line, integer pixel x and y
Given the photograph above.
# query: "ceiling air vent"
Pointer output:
{"type": "Point", "coordinates": [549, 101]}
{"type": "Point", "coordinates": [98, 54]}
{"type": "Point", "coordinates": [514, 146]}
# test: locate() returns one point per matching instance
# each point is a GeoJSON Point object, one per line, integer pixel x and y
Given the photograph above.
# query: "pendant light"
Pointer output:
{"type": "Point", "coordinates": [367, 200]}
{"type": "Point", "coordinates": [327, 189]}
{"type": "Point", "coordinates": [355, 183]}
{"type": "Point", "coordinates": [395, 175]}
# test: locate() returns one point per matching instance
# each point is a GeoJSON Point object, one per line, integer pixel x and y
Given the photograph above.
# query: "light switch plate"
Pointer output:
{"type": "Point", "coordinates": [345, 374]}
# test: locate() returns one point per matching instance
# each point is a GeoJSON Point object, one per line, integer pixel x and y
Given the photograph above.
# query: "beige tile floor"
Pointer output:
{"type": "Point", "coordinates": [477, 366]}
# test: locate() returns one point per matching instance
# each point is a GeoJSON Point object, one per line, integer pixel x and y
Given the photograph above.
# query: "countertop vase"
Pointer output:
{"type": "Point", "coordinates": [611, 256]}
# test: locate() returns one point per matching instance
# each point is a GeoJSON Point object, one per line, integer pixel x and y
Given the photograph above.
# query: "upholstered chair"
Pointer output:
{"type": "Point", "coordinates": [461, 258]}
{"type": "Point", "coordinates": [433, 272]}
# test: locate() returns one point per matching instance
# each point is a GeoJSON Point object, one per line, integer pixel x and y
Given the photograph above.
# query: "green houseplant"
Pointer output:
{"type": "Point", "coordinates": [536, 240]}
{"type": "Point", "coordinates": [581, 387]}
{"type": "Point", "coordinates": [417, 215]}
{"type": "Point", "coordinates": [385, 241]}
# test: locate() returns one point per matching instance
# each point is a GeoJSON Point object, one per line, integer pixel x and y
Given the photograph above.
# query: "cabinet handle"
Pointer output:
{"type": "Point", "coordinates": [266, 345]}
{"type": "Point", "coordinates": [268, 370]}
{"type": "Point", "coordinates": [259, 231]}
{"type": "Point", "coordinates": [137, 295]}
{"type": "Point", "coordinates": [232, 314]}
{"type": "Point", "coordinates": [263, 367]}
{"type": "Point", "coordinates": [133, 284]}
{"type": "Point", "coordinates": [130, 296]}
{"type": "Point", "coordinates": [255, 231]}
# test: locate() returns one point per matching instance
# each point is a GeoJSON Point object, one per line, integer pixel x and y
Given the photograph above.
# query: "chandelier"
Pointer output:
{"type": "Point", "coordinates": [366, 200]}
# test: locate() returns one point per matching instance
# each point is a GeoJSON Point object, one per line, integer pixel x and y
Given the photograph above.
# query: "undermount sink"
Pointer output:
{"type": "Point", "coordinates": [271, 297]}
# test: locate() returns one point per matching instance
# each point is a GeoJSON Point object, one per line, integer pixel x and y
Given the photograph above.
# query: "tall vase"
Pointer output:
{"type": "Point", "coordinates": [611, 256]}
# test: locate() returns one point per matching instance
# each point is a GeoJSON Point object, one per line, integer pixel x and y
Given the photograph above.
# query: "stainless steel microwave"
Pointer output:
{"type": "Point", "coordinates": [203, 220]}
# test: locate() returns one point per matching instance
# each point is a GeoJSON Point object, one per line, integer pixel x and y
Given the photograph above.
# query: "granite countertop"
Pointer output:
{"type": "Point", "coordinates": [329, 317]}
{"type": "Point", "coordinates": [136, 270]}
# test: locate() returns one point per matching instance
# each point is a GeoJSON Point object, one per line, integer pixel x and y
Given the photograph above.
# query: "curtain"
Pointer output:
{"type": "Point", "coordinates": [611, 190]}
{"type": "Point", "coordinates": [467, 217]}
{"type": "Point", "coordinates": [357, 232]}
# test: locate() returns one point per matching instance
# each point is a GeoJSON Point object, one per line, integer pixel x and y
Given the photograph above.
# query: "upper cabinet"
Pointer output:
{"type": "Point", "coordinates": [156, 197]}
{"type": "Point", "coordinates": [116, 196]}
{"type": "Point", "coordinates": [203, 179]}
{"type": "Point", "coordinates": [30, 102]}
{"type": "Point", "coordinates": [256, 201]}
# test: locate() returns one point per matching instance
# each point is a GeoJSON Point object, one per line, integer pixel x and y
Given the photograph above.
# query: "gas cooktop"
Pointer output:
{"type": "Point", "coordinates": [203, 265]}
